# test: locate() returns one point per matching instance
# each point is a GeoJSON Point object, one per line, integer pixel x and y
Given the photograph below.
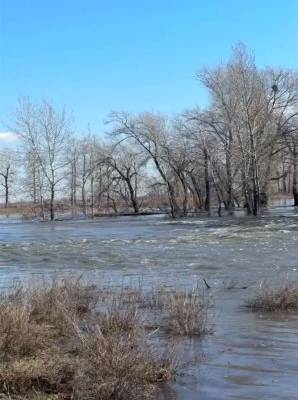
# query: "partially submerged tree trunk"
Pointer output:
{"type": "Point", "coordinates": [73, 187]}
{"type": "Point", "coordinates": [6, 191]}
{"type": "Point", "coordinates": [295, 175]}
{"type": "Point", "coordinates": [228, 156]}
{"type": "Point", "coordinates": [207, 180]}
{"type": "Point", "coordinates": [92, 196]}
{"type": "Point", "coordinates": [52, 199]}
{"type": "Point", "coordinates": [6, 176]}
{"type": "Point", "coordinates": [133, 198]}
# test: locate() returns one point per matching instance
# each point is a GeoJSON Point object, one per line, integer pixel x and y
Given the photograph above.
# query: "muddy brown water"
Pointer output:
{"type": "Point", "coordinates": [249, 356]}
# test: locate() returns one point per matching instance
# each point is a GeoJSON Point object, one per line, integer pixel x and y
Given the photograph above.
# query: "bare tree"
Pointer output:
{"type": "Point", "coordinates": [150, 132]}
{"type": "Point", "coordinates": [45, 131]}
{"type": "Point", "coordinates": [7, 172]}
{"type": "Point", "coordinates": [290, 135]}
{"type": "Point", "coordinates": [73, 155]}
{"type": "Point", "coordinates": [33, 182]}
{"type": "Point", "coordinates": [249, 108]}
{"type": "Point", "coordinates": [127, 164]}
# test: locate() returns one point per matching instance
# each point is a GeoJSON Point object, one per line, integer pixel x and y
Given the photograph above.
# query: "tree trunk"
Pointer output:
{"type": "Point", "coordinates": [265, 187]}
{"type": "Point", "coordinates": [92, 196]}
{"type": "Point", "coordinates": [34, 185]}
{"type": "Point", "coordinates": [42, 208]}
{"type": "Point", "coordinates": [74, 188]}
{"type": "Point", "coordinates": [195, 202]}
{"type": "Point", "coordinates": [284, 178]}
{"type": "Point", "coordinates": [198, 200]}
{"type": "Point", "coordinates": [6, 191]}
{"type": "Point", "coordinates": [83, 186]}
{"type": "Point", "coordinates": [207, 181]}
{"type": "Point", "coordinates": [295, 176]}
{"type": "Point", "coordinates": [175, 211]}
{"type": "Point", "coordinates": [185, 193]}
{"type": "Point", "coordinates": [230, 202]}
{"type": "Point", "coordinates": [52, 210]}
{"type": "Point", "coordinates": [84, 199]}
{"type": "Point", "coordinates": [255, 198]}
{"type": "Point", "coordinates": [255, 210]}
{"type": "Point", "coordinates": [132, 195]}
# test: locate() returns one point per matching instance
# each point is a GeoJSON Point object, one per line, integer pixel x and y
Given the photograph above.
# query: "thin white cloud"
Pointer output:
{"type": "Point", "coordinates": [8, 137]}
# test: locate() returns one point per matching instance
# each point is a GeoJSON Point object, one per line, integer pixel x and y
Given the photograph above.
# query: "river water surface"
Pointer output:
{"type": "Point", "coordinates": [249, 356]}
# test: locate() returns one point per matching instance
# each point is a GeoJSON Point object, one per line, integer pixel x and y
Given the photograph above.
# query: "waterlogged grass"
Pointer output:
{"type": "Point", "coordinates": [70, 340]}
{"type": "Point", "coordinates": [268, 299]}
{"type": "Point", "coordinates": [183, 312]}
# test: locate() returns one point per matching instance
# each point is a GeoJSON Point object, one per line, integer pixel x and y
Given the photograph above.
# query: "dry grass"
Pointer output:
{"type": "Point", "coordinates": [61, 302]}
{"type": "Point", "coordinates": [58, 341]}
{"type": "Point", "coordinates": [19, 336]}
{"type": "Point", "coordinates": [177, 312]}
{"type": "Point", "coordinates": [119, 367]}
{"type": "Point", "coordinates": [186, 312]}
{"type": "Point", "coordinates": [279, 299]}
{"type": "Point", "coordinates": [49, 372]}
{"type": "Point", "coordinates": [119, 320]}
{"type": "Point", "coordinates": [31, 396]}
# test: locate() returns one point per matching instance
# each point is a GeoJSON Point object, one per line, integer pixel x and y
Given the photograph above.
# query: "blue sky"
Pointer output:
{"type": "Point", "coordinates": [97, 56]}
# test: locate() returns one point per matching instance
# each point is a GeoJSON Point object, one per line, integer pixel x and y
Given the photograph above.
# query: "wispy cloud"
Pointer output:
{"type": "Point", "coordinates": [8, 137]}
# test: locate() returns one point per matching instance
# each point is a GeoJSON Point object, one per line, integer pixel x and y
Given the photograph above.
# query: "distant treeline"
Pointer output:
{"type": "Point", "coordinates": [234, 153]}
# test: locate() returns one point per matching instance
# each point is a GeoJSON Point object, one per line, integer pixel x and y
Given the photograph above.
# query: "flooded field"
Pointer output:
{"type": "Point", "coordinates": [248, 355]}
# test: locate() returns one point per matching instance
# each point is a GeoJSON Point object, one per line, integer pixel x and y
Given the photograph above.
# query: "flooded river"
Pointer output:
{"type": "Point", "coordinates": [249, 356]}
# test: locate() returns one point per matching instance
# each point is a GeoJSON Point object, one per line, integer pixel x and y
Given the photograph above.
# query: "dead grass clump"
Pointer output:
{"type": "Point", "coordinates": [61, 302]}
{"type": "Point", "coordinates": [119, 320]}
{"type": "Point", "coordinates": [18, 335]}
{"type": "Point", "coordinates": [185, 312]}
{"type": "Point", "coordinates": [124, 295]}
{"type": "Point", "coordinates": [31, 396]}
{"type": "Point", "coordinates": [49, 373]}
{"type": "Point", "coordinates": [55, 343]}
{"type": "Point", "coordinates": [119, 368]}
{"type": "Point", "coordinates": [267, 299]}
